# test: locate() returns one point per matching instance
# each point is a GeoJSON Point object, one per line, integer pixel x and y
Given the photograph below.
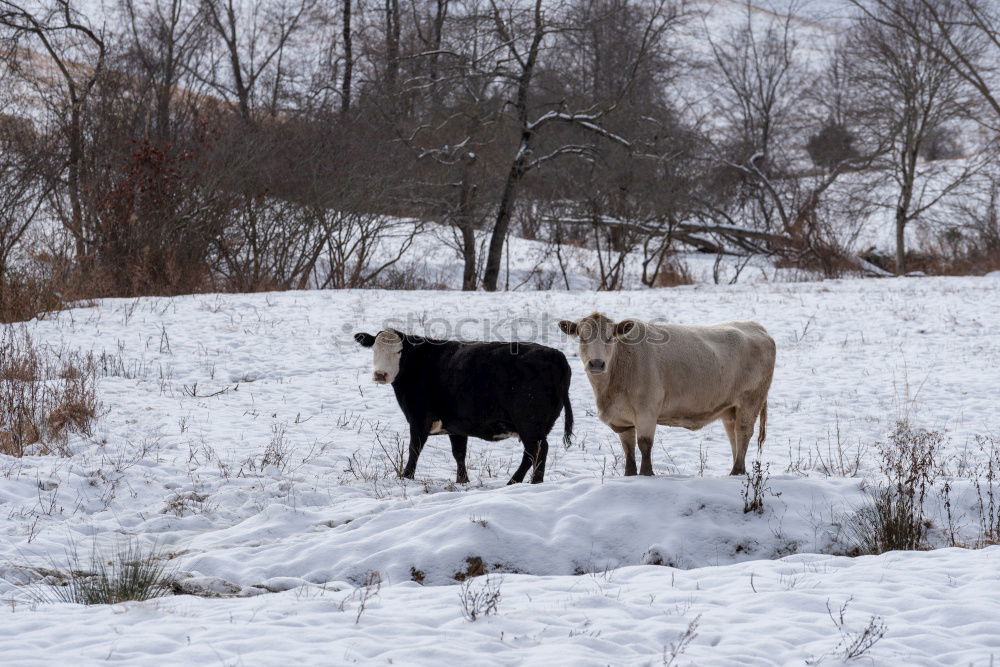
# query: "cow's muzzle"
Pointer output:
{"type": "Point", "coordinates": [381, 377]}
{"type": "Point", "coordinates": [595, 366]}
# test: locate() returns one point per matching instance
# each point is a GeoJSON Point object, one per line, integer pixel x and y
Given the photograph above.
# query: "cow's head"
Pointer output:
{"type": "Point", "coordinates": [599, 336]}
{"type": "Point", "coordinates": [388, 349]}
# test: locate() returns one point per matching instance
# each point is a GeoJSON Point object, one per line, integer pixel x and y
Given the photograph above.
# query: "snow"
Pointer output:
{"type": "Point", "coordinates": [938, 608]}
{"type": "Point", "coordinates": [530, 264]}
{"type": "Point", "coordinates": [245, 437]}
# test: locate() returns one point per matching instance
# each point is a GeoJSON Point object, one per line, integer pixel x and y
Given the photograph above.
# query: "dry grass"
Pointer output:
{"type": "Point", "coordinates": [128, 572]}
{"type": "Point", "coordinates": [480, 597]}
{"type": "Point", "coordinates": [46, 284]}
{"type": "Point", "coordinates": [43, 399]}
{"type": "Point", "coordinates": [755, 485]}
{"type": "Point", "coordinates": [987, 484]}
{"type": "Point", "coordinates": [24, 297]}
{"type": "Point", "coordinates": [672, 273]}
{"type": "Point", "coordinates": [853, 644]}
{"type": "Point", "coordinates": [894, 518]}
{"type": "Point", "coordinates": [475, 567]}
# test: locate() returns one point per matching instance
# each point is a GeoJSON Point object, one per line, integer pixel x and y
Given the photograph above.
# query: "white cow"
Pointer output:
{"type": "Point", "coordinates": [675, 375]}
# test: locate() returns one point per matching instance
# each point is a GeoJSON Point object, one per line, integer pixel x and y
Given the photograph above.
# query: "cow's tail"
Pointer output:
{"type": "Point", "coordinates": [762, 429]}
{"type": "Point", "coordinates": [567, 417]}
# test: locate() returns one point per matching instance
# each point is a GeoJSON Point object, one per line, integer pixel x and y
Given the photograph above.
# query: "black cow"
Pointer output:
{"type": "Point", "coordinates": [487, 390]}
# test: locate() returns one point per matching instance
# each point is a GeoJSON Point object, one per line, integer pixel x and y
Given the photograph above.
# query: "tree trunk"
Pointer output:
{"type": "Point", "coordinates": [504, 214]}
{"type": "Point", "coordinates": [469, 256]}
{"type": "Point", "coordinates": [900, 243]}
{"type": "Point", "coordinates": [73, 181]}
{"type": "Point", "coordinates": [519, 167]}
{"type": "Point", "coordinates": [467, 225]}
{"type": "Point", "coordinates": [908, 175]}
{"type": "Point", "coordinates": [391, 45]}
{"type": "Point", "coordinates": [345, 86]}
{"type": "Point", "coordinates": [436, 37]}
{"type": "Point", "coordinates": [164, 95]}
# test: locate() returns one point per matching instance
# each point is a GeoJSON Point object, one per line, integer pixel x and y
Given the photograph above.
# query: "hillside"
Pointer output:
{"type": "Point", "coordinates": [242, 434]}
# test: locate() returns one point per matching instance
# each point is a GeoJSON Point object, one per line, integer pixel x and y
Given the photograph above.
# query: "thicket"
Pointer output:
{"type": "Point", "coordinates": [174, 146]}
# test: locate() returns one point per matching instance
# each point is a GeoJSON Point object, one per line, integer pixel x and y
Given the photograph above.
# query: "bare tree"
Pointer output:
{"type": "Point", "coordinates": [255, 43]}
{"type": "Point", "coordinates": [455, 133]}
{"type": "Point", "coordinates": [272, 244]}
{"type": "Point", "coordinates": [362, 247]}
{"type": "Point", "coordinates": [524, 32]}
{"type": "Point", "coordinates": [459, 206]}
{"type": "Point", "coordinates": [963, 34]}
{"type": "Point", "coordinates": [165, 38]}
{"type": "Point", "coordinates": [759, 69]}
{"type": "Point", "coordinates": [633, 196]}
{"type": "Point", "coordinates": [914, 91]}
{"type": "Point", "coordinates": [760, 81]}
{"type": "Point", "coordinates": [78, 51]}
{"type": "Point", "coordinates": [769, 201]}
{"type": "Point", "coordinates": [431, 38]}
{"type": "Point", "coordinates": [23, 186]}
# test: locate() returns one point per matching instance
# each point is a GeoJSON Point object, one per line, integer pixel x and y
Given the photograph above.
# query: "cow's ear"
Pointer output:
{"type": "Point", "coordinates": [569, 328]}
{"type": "Point", "coordinates": [623, 327]}
{"type": "Point", "coordinates": [364, 339]}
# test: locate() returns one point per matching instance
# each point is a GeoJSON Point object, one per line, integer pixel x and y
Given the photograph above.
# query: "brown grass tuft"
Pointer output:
{"type": "Point", "coordinates": [41, 401]}
{"type": "Point", "coordinates": [475, 567]}
{"type": "Point", "coordinates": [674, 272]}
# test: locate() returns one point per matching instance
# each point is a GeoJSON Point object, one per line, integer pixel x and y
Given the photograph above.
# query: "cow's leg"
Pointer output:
{"type": "Point", "coordinates": [729, 421]}
{"type": "Point", "coordinates": [418, 436]}
{"type": "Point", "coordinates": [534, 454]}
{"type": "Point", "coordinates": [645, 430]}
{"type": "Point", "coordinates": [522, 469]}
{"type": "Point", "coordinates": [628, 446]}
{"type": "Point", "coordinates": [744, 431]}
{"type": "Point", "coordinates": [541, 453]}
{"type": "Point", "coordinates": [458, 446]}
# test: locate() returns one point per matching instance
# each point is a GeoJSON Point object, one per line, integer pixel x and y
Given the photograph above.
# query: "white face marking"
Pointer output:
{"type": "Point", "coordinates": [387, 349]}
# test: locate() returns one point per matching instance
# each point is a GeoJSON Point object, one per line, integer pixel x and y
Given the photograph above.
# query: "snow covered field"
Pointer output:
{"type": "Point", "coordinates": [243, 435]}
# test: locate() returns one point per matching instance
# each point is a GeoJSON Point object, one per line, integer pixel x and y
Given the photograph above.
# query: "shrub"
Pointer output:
{"type": "Point", "coordinates": [888, 522]}
{"type": "Point", "coordinates": [831, 146]}
{"type": "Point", "coordinates": [25, 296]}
{"type": "Point", "coordinates": [988, 495]}
{"type": "Point", "coordinates": [42, 398]}
{"type": "Point", "coordinates": [480, 596]}
{"type": "Point", "coordinates": [755, 485]}
{"type": "Point", "coordinates": [942, 143]}
{"type": "Point", "coordinates": [673, 273]}
{"type": "Point", "coordinates": [853, 644]}
{"type": "Point", "coordinates": [894, 517]}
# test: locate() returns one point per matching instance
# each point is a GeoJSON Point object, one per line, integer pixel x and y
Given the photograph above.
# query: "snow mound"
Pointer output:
{"type": "Point", "coordinates": [569, 527]}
